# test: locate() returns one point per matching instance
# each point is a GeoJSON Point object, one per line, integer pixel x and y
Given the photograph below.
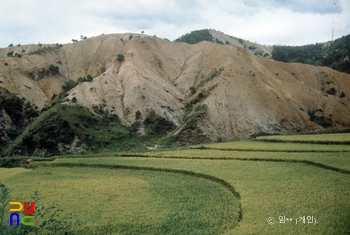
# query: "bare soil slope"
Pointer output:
{"type": "Point", "coordinates": [248, 96]}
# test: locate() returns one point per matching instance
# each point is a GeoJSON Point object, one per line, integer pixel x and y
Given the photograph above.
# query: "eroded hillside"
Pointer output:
{"type": "Point", "coordinates": [210, 92]}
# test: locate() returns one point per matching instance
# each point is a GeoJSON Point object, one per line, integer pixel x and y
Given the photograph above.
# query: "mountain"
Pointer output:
{"type": "Point", "coordinates": [125, 91]}
{"type": "Point", "coordinates": [333, 54]}
{"type": "Point", "coordinates": [218, 37]}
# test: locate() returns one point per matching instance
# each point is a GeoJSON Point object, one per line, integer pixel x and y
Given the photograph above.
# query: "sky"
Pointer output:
{"type": "Point", "coordinates": [267, 22]}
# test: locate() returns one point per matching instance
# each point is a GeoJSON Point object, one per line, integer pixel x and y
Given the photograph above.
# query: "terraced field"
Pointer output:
{"type": "Point", "coordinates": [224, 188]}
{"type": "Point", "coordinates": [343, 138]}
{"type": "Point", "coordinates": [130, 201]}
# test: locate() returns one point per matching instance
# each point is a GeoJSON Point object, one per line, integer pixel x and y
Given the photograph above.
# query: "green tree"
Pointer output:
{"type": "Point", "coordinates": [89, 78]}
{"type": "Point", "coordinates": [332, 54]}
{"type": "Point", "coordinates": [103, 70]}
{"type": "Point", "coordinates": [14, 108]}
{"type": "Point", "coordinates": [70, 84]}
{"type": "Point", "coordinates": [196, 37]}
{"type": "Point", "coordinates": [219, 41]}
{"type": "Point", "coordinates": [81, 79]}
{"type": "Point", "coordinates": [54, 69]}
{"type": "Point", "coordinates": [192, 89]}
{"type": "Point", "coordinates": [120, 57]}
{"type": "Point", "coordinates": [138, 115]}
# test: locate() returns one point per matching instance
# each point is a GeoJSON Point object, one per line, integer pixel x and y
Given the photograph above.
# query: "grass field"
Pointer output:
{"type": "Point", "coordinates": [129, 201]}
{"type": "Point", "coordinates": [216, 189]}
{"type": "Point", "coordinates": [275, 147]}
{"type": "Point", "coordinates": [316, 138]}
{"type": "Point", "coordinates": [338, 160]}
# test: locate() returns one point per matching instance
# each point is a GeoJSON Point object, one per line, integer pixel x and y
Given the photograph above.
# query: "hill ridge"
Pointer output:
{"type": "Point", "coordinates": [209, 92]}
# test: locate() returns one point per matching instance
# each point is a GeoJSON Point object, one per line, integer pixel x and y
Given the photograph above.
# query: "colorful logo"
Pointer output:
{"type": "Point", "coordinates": [27, 219]}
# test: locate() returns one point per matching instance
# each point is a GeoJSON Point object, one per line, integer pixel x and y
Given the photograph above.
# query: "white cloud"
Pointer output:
{"type": "Point", "coordinates": [267, 22]}
{"type": "Point", "coordinates": [341, 22]}
{"type": "Point", "coordinates": [286, 27]}
{"type": "Point", "coordinates": [302, 6]}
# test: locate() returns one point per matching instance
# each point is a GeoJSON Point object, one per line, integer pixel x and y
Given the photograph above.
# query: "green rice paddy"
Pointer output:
{"type": "Point", "coordinates": [223, 188]}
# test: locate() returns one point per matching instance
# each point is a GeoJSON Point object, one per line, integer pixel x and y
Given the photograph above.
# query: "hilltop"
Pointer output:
{"type": "Point", "coordinates": [221, 38]}
{"type": "Point", "coordinates": [333, 54]}
{"type": "Point", "coordinates": [125, 91]}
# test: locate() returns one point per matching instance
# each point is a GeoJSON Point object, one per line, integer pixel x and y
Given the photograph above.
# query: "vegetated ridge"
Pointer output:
{"type": "Point", "coordinates": [126, 91]}
{"type": "Point", "coordinates": [218, 37]}
{"type": "Point", "coordinates": [334, 54]}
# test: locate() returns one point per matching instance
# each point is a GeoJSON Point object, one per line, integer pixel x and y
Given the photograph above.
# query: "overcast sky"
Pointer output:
{"type": "Point", "coordinates": [269, 22]}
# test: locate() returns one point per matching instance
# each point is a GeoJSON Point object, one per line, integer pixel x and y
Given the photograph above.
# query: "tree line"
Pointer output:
{"type": "Point", "coordinates": [334, 54]}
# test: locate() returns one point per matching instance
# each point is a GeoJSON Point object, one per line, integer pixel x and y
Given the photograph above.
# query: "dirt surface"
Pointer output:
{"type": "Point", "coordinates": [251, 96]}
